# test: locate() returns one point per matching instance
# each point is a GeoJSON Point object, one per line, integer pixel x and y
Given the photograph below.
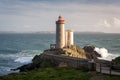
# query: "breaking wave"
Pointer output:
{"type": "Point", "coordinates": [26, 56]}
{"type": "Point", "coordinates": [105, 54]}
{"type": "Point", "coordinates": [24, 59]}
{"type": "Point", "coordinates": [13, 60]}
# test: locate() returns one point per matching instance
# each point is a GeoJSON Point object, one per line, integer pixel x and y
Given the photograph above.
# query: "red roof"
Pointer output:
{"type": "Point", "coordinates": [60, 19]}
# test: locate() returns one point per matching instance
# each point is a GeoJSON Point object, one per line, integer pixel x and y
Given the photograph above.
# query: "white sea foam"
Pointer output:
{"type": "Point", "coordinates": [6, 70]}
{"type": "Point", "coordinates": [105, 54]}
{"type": "Point", "coordinates": [24, 59]}
{"type": "Point", "coordinates": [3, 68]}
{"type": "Point", "coordinates": [26, 56]}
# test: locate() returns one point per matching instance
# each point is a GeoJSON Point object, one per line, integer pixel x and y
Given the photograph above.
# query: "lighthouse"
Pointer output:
{"type": "Point", "coordinates": [64, 38]}
{"type": "Point", "coordinates": [68, 38]}
{"type": "Point", "coordinates": [60, 33]}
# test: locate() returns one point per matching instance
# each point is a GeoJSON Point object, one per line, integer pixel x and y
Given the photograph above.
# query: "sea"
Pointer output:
{"type": "Point", "coordinates": [17, 49]}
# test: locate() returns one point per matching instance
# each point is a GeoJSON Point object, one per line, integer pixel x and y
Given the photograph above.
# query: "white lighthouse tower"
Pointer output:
{"type": "Point", "coordinates": [60, 33]}
{"type": "Point", "coordinates": [68, 38]}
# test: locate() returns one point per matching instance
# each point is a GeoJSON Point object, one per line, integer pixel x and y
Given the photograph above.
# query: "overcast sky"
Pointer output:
{"type": "Point", "coordinates": [79, 15]}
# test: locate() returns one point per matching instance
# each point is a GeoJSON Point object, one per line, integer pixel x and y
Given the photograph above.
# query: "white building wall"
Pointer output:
{"type": "Point", "coordinates": [60, 35]}
{"type": "Point", "coordinates": [71, 38]}
{"type": "Point", "coordinates": [68, 38]}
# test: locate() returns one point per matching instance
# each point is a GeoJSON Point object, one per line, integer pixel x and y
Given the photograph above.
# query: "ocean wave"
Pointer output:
{"type": "Point", "coordinates": [24, 59]}
{"type": "Point", "coordinates": [23, 53]}
{"type": "Point", "coordinates": [24, 56]}
{"type": "Point", "coordinates": [105, 54]}
{"type": "Point", "coordinates": [3, 68]}
{"type": "Point", "coordinates": [116, 46]}
{"type": "Point", "coordinates": [13, 60]}
{"type": "Point", "coordinates": [6, 70]}
{"type": "Point", "coordinates": [8, 51]}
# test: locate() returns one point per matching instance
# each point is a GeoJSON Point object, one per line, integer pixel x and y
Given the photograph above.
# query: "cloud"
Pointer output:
{"type": "Point", "coordinates": [113, 22]}
{"type": "Point", "coordinates": [40, 15]}
{"type": "Point", "coordinates": [116, 22]}
{"type": "Point", "coordinates": [106, 23]}
{"type": "Point", "coordinates": [103, 23]}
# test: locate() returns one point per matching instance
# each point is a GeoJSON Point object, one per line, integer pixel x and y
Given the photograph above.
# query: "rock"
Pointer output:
{"type": "Point", "coordinates": [37, 59]}
{"type": "Point", "coordinates": [26, 67]}
{"type": "Point", "coordinates": [40, 61]}
{"type": "Point", "coordinates": [75, 51]}
{"type": "Point", "coordinates": [37, 62]}
{"type": "Point", "coordinates": [89, 49]}
{"type": "Point", "coordinates": [90, 53]}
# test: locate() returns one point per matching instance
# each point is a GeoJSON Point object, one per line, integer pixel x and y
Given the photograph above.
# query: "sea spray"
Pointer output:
{"type": "Point", "coordinates": [24, 59]}
{"type": "Point", "coordinates": [105, 54]}
{"type": "Point", "coordinates": [26, 56]}
{"type": "Point", "coordinates": [13, 60]}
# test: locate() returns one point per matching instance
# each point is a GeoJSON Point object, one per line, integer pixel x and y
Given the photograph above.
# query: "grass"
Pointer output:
{"type": "Point", "coordinates": [57, 74]}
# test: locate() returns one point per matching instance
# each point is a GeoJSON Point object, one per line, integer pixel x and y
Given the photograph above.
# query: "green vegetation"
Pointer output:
{"type": "Point", "coordinates": [117, 60]}
{"type": "Point", "coordinates": [63, 73]}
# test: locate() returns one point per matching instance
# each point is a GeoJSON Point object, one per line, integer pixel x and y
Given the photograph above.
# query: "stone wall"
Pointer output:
{"type": "Point", "coordinates": [69, 61]}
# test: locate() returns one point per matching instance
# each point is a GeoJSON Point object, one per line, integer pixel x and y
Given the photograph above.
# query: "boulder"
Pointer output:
{"type": "Point", "coordinates": [90, 53]}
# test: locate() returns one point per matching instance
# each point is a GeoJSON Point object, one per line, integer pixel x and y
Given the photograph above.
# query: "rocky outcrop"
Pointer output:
{"type": "Point", "coordinates": [73, 51]}
{"type": "Point", "coordinates": [37, 62]}
{"type": "Point", "coordinates": [86, 52]}
{"type": "Point", "coordinates": [90, 53]}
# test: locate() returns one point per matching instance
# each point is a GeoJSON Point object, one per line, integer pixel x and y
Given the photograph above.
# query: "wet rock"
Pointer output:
{"type": "Point", "coordinates": [90, 53]}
